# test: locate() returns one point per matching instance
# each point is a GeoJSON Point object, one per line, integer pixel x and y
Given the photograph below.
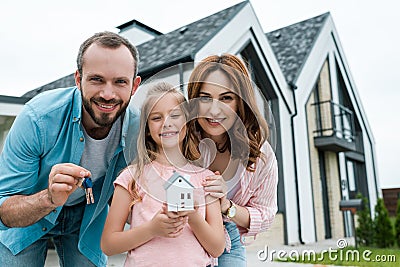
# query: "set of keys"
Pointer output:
{"type": "Point", "coordinates": [87, 185]}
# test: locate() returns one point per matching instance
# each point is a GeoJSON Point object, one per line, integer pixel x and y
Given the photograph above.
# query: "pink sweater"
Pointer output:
{"type": "Point", "coordinates": [184, 250]}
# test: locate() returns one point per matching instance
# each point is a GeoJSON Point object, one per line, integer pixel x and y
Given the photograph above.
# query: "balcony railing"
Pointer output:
{"type": "Point", "coordinates": [334, 127]}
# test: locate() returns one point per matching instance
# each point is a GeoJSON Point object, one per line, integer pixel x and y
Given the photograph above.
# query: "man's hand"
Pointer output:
{"type": "Point", "coordinates": [25, 210]}
{"type": "Point", "coordinates": [63, 180]}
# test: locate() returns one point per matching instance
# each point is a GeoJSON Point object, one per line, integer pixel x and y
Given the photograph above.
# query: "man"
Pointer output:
{"type": "Point", "coordinates": [61, 137]}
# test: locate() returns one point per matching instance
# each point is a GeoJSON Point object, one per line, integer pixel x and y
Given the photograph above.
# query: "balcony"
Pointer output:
{"type": "Point", "coordinates": [334, 127]}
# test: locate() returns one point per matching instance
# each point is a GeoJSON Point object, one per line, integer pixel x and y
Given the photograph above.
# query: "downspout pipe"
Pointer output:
{"type": "Point", "coordinates": [293, 87]}
{"type": "Point", "coordinates": [181, 81]}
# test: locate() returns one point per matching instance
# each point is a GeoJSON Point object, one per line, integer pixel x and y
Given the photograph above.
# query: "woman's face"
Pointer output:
{"type": "Point", "coordinates": [167, 122]}
{"type": "Point", "coordinates": [218, 105]}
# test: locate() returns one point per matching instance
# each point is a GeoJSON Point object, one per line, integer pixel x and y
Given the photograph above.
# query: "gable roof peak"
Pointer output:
{"type": "Point", "coordinates": [292, 44]}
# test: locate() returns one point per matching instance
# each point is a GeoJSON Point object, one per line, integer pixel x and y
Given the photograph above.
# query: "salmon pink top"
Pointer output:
{"type": "Point", "coordinates": [184, 250]}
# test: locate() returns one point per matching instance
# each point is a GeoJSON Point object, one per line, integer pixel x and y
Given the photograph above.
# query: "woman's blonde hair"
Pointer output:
{"type": "Point", "coordinates": [147, 149]}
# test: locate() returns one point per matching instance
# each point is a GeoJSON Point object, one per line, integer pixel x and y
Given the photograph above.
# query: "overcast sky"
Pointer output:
{"type": "Point", "coordinates": [39, 41]}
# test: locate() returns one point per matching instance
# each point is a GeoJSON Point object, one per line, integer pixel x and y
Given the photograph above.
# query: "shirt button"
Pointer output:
{"type": "Point", "coordinates": [81, 139]}
{"type": "Point", "coordinates": [44, 229]}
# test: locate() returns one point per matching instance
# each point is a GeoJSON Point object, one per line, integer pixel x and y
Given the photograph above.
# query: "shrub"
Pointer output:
{"type": "Point", "coordinates": [397, 224]}
{"type": "Point", "coordinates": [383, 228]}
{"type": "Point", "coordinates": [365, 229]}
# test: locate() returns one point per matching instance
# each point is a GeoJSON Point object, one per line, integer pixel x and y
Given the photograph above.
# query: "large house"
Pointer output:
{"type": "Point", "coordinates": [323, 142]}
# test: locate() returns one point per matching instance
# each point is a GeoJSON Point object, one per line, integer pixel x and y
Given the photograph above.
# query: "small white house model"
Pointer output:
{"type": "Point", "coordinates": [179, 192]}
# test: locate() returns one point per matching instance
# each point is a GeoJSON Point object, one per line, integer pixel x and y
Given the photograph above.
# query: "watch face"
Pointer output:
{"type": "Point", "coordinates": [232, 211]}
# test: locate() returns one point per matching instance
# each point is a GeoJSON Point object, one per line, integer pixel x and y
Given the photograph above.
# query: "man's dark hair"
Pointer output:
{"type": "Point", "coordinates": [109, 40]}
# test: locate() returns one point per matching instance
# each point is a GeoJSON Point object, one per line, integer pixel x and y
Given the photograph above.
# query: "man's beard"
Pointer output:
{"type": "Point", "coordinates": [104, 120]}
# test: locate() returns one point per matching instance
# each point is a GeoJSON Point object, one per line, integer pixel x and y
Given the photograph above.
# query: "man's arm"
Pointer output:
{"type": "Point", "coordinates": [22, 211]}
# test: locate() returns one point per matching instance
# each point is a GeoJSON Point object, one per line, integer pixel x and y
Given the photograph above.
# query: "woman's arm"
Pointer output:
{"type": "Point", "coordinates": [216, 186]}
{"type": "Point", "coordinates": [115, 240]}
{"type": "Point", "coordinates": [259, 209]}
{"type": "Point", "coordinates": [261, 195]}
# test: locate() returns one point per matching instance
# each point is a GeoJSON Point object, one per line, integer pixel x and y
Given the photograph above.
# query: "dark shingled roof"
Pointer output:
{"type": "Point", "coordinates": [166, 50]}
{"type": "Point", "coordinates": [182, 44]}
{"type": "Point", "coordinates": [63, 82]}
{"type": "Point", "coordinates": [292, 44]}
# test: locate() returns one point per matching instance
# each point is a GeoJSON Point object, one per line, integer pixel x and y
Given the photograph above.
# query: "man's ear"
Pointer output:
{"type": "Point", "coordinates": [78, 79]}
{"type": "Point", "coordinates": [136, 83]}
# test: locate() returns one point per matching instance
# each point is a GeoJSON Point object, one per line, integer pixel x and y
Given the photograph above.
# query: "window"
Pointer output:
{"type": "Point", "coordinates": [351, 176]}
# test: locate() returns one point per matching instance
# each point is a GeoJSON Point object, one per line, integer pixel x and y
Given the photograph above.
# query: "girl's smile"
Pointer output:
{"type": "Point", "coordinates": [169, 134]}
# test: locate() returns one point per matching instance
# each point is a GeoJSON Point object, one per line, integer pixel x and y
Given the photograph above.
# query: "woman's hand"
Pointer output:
{"type": "Point", "coordinates": [215, 186]}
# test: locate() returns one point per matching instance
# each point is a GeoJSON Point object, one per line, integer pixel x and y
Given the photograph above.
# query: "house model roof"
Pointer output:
{"type": "Point", "coordinates": [175, 177]}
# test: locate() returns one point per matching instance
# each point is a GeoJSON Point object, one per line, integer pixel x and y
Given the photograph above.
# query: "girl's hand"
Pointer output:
{"type": "Point", "coordinates": [186, 215]}
{"type": "Point", "coordinates": [166, 226]}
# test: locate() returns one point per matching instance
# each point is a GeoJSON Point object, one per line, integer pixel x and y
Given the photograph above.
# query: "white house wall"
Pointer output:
{"type": "Point", "coordinates": [369, 166]}
{"type": "Point", "coordinates": [291, 205]}
{"type": "Point", "coordinates": [305, 84]}
{"type": "Point", "coordinates": [360, 115]}
{"type": "Point", "coordinates": [136, 36]}
{"type": "Point", "coordinates": [304, 176]}
{"type": "Point", "coordinates": [7, 109]}
{"type": "Point", "coordinates": [325, 47]}
{"type": "Point", "coordinates": [355, 98]}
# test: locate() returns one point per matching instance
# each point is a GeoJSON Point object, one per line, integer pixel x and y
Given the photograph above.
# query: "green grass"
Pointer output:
{"type": "Point", "coordinates": [352, 257]}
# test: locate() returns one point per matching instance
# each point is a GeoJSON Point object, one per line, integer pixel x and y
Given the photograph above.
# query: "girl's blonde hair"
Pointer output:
{"type": "Point", "coordinates": [147, 149]}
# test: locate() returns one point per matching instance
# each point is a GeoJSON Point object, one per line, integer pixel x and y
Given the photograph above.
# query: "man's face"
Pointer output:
{"type": "Point", "coordinates": [106, 85]}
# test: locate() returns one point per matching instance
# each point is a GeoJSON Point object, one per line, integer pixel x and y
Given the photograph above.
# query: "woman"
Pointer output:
{"type": "Point", "coordinates": [226, 113]}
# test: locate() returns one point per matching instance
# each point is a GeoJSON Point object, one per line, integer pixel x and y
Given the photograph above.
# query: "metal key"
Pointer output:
{"type": "Point", "coordinates": [87, 185]}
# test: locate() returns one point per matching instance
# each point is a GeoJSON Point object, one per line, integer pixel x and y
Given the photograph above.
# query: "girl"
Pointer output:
{"type": "Point", "coordinates": [156, 236]}
{"type": "Point", "coordinates": [227, 117]}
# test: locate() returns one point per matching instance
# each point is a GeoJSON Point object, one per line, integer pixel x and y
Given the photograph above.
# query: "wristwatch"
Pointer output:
{"type": "Point", "coordinates": [231, 211]}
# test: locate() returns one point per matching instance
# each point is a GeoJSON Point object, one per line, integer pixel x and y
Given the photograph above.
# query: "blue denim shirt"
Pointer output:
{"type": "Point", "coordinates": [45, 133]}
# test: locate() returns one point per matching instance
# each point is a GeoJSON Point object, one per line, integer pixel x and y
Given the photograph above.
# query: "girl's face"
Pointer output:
{"type": "Point", "coordinates": [167, 122]}
{"type": "Point", "coordinates": [217, 104]}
